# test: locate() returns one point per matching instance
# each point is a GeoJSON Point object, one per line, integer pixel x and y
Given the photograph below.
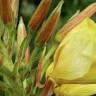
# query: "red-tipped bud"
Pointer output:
{"type": "Point", "coordinates": [49, 26]}
{"type": "Point", "coordinates": [39, 14]}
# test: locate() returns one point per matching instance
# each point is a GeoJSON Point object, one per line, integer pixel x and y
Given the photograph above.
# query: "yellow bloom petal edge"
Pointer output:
{"type": "Point", "coordinates": [75, 90]}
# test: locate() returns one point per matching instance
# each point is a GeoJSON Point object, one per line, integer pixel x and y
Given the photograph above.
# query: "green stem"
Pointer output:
{"type": "Point", "coordinates": [34, 90]}
{"type": "Point", "coordinates": [32, 84]}
{"type": "Point", "coordinates": [33, 57]}
{"type": "Point", "coordinates": [50, 53]}
{"type": "Point", "coordinates": [45, 68]}
{"type": "Point", "coordinates": [47, 60]}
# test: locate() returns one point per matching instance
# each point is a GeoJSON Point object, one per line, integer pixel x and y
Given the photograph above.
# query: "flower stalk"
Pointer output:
{"type": "Point", "coordinates": [39, 69]}
{"type": "Point", "coordinates": [1, 59]}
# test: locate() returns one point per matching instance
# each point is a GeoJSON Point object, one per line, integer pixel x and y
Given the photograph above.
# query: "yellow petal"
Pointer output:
{"type": "Point", "coordinates": [75, 90]}
{"type": "Point", "coordinates": [49, 70]}
{"type": "Point", "coordinates": [75, 55]}
{"type": "Point", "coordinates": [90, 77]}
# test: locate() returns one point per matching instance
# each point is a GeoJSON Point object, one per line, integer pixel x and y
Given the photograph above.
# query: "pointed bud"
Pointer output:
{"type": "Point", "coordinates": [21, 33]}
{"type": "Point", "coordinates": [6, 11]}
{"type": "Point", "coordinates": [88, 12]}
{"type": "Point", "coordinates": [49, 26]}
{"type": "Point", "coordinates": [40, 13]}
{"type": "Point", "coordinates": [20, 37]}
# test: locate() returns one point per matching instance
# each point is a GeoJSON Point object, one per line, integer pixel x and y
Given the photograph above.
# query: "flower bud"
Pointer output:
{"type": "Point", "coordinates": [49, 26]}
{"type": "Point", "coordinates": [76, 53]}
{"type": "Point", "coordinates": [39, 14]}
{"type": "Point", "coordinates": [75, 90]}
{"type": "Point", "coordinates": [21, 34]}
{"type": "Point", "coordinates": [6, 11]}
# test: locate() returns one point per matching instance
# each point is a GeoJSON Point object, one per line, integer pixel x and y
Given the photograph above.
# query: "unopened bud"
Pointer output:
{"type": "Point", "coordinates": [21, 34]}
{"type": "Point", "coordinates": [39, 14]}
{"type": "Point", "coordinates": [49, 26]}
{"type": "Point", "coordinates": [6, 11]}
{"type": "Point", "coordinates": [20, 37]}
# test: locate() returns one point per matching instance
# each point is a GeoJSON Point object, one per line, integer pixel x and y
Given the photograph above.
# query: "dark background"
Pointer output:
{"type": "Point", "coordinates": [27, 7]}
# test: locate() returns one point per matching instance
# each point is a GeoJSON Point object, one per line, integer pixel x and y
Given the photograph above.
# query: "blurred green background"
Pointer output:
{"type": "Point", "coordinates": [27, 8]}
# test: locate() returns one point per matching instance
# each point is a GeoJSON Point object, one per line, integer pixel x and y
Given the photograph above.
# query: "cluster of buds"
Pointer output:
{"type": "Point", "coordinates": [49, 25]}
{"type": "Point", "coordinates": [72, 64]}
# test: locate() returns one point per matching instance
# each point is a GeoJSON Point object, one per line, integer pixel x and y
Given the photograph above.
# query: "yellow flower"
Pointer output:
{"type": "Point", "coordinates": [75, 90]}
{"type": "Point", "coordinates": [76, 54]}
